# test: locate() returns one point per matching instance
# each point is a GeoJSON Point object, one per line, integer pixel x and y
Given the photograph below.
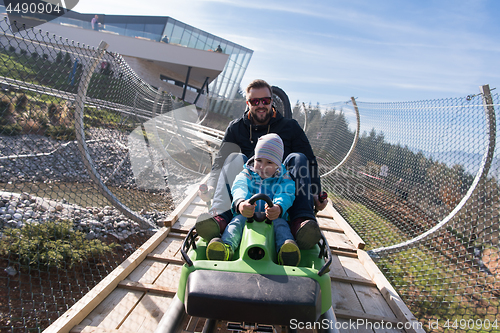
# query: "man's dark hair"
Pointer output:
{"type": "Point", "coordinates": [257, 84]}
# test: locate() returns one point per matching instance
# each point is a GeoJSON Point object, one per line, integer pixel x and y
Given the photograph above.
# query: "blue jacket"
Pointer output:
{"type": "Point", "coordinates": [242, 134]}
{"type": "Point", "coordinates": [280, 188]}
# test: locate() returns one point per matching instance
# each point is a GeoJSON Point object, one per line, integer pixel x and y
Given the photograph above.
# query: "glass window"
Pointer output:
{"type": "Point", "coordinates": [153, 28]}
{"type": "Point", "coordinates": [176, 34]}
{"type": "Point", "coordinates": [201, 43]}
{"type": "Point", "coordinates": [238, 57]}
{"type": "Point", "coordinates": [135, 26]}
{"type": "Point", "coordinates": [223, 87]}
{"type": "Point", "coordinates": [168, 29]}
{"type": "Point", "coordinates": [231, 59]}
{"type": "Point", "coordinates": [215, 44]}
{"type": "Point", "coordinates": [223, 46]}
{"type": "Point", "coordinates": [194, 39]}
{"type": "Point", "coordinates": [130, 33]}
{"type": "Point", "coordinates": [246, 60]}
{"type": "Point", "coordinates": [209, 44]}
{"type": "Point", "coordinates": [186, 35]}
{"type": "Point", "coordinates": [120, 25]}
{"type": "Point", "coordinates": [116, 27]}
{"type": "Point", "coordinates": [228, 49]}
{"type": "Point", "coordinates": [239, 77]}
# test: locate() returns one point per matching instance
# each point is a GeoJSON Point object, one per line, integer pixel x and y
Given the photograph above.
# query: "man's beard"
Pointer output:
{"type": "Point", "coordinates": [261, 119]}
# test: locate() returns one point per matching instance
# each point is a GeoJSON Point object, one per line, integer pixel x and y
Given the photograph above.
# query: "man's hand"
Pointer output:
{"type": "Point", "coordinates": [206, 192]}
{"type": "Point", "coordinates": [246, 209]}
{"type": "Point", "coordinates": [272, 213]}
{"type": "Point", "coordinates": [318, 205]}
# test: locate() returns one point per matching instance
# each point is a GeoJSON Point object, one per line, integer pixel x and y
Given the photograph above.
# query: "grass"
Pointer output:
{"type": "Point", "coordinates": [433, 286]}
{"type": "Point", "coordinates": [375, 232]}
{"type": "Point", "coordinates": [101, 117]}
{"type": "Point", "coordinates": [36, 71]}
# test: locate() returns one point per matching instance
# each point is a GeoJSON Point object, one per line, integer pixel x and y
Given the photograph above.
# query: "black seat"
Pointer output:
{"type": "Point", "coordinates": [281, 102]}
{"type": "Point", "coordinates": [266, 299]}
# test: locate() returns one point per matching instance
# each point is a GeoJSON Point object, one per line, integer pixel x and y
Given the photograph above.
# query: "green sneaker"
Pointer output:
{"type": "Point", "coordinates": [217, 250]}
{"type": "Point", "coordinates": [289, 254]}
{"type": "Point", "coordinates": [208, 226]}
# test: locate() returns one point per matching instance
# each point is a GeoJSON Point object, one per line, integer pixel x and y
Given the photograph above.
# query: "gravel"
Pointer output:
{"type": "Point", "coordinates": [18, 210]}
{"type": "Point", "coordinates": [32, 158]}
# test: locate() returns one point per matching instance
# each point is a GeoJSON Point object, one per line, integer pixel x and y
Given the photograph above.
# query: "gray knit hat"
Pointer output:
{"type": "Point", "coordinates": [270, 146]}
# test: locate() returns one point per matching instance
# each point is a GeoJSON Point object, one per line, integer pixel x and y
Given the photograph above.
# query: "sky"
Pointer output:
{"type": "Point", "coordinates": [327, 51]}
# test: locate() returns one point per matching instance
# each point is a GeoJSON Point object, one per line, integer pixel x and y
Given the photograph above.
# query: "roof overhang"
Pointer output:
{"type": "Point", "coordinates": [149, 58]}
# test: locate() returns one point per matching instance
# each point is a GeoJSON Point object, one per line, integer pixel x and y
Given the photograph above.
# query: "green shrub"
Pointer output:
{"type": "Point", "coordinates": [59, 57]}
{"type": "Point", "coordinates": [67, 59]}
{"type": "Point", "coordinates": [51, 244]}
{"type": "Point", "coordinates": [6, 110]}
{"type": "Point", "coordinates": [61, 132]}
{"type": "Point", "coordinates": [21, 102]}
{"type": "Point", "coordinates": [11, 129]}
{"type": "Point", "coordinates": [54, 113]}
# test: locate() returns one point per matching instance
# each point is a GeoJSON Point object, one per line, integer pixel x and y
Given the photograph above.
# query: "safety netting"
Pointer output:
{"type": "Point", "coordinates": [420, 186]}
{"type": "Point", "coordinates": [93, 159]}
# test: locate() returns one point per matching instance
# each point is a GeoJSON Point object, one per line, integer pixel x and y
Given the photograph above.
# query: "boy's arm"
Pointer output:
{"type": "Point", "coordinates": [285, 193]}
{"type": "Point", "coordinates": [239, 190]}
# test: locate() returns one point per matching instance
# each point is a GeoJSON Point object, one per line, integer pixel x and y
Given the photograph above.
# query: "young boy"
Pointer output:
{"type": "Point", "coordinates": [263, 173]}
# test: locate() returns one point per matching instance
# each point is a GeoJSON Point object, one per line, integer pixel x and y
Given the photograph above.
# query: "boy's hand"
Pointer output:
{"type": "Point", "coordinates": [272, 213]}
{"type": "Point", "coordinates": [246, 209]}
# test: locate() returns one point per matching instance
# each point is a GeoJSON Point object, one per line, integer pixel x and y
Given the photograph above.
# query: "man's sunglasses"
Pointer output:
{"type": "Point", "coordinates": [256, 101]}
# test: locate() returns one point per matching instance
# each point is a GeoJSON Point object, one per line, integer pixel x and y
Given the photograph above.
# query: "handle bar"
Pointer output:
{"type": "Point", "coordinates": [260, 216]}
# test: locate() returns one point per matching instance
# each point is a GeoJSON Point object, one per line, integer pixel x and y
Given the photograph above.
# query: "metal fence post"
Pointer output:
{"type": "Point", "coordinates": [82, 145]}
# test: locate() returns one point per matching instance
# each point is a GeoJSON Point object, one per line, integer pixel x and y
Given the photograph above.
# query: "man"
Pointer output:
{"type": "Point", "coordinates": [94, 22]}
{"type": "Point", "coordinates": [242, 136]}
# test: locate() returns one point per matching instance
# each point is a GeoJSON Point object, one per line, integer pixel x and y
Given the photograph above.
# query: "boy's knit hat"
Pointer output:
{"type": "Point", "coordinates": [270, 146]}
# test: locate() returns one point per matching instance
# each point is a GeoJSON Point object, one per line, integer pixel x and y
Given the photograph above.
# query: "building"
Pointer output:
{"type": "Point", "coordinates": [188, 61]}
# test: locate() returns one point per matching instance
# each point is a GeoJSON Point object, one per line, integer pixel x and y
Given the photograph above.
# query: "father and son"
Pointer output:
{"type": "Point", "coordinates": [250, 161]}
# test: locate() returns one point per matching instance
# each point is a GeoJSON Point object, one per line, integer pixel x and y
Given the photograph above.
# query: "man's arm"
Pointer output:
{"type": "Point", "coordinates": [301, 145]}
{"type": "Point", "coordinates": [228, 146]}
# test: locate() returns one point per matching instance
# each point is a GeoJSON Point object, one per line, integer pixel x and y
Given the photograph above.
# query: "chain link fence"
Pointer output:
{"type": "Point", "coordinates": [92, 160]}
{"type": "Point", "coordinates": [421, 188]}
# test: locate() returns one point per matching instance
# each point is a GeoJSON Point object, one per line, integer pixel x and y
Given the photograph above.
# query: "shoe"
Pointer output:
{"type": "Point", "coordinates": [217, 250]}
{"type": "Point", "coordinates": [208, 226]}
{"type": "Point", "coordinates": [306, 232]}
{"type": "Point", "coordinates": [289, 254]}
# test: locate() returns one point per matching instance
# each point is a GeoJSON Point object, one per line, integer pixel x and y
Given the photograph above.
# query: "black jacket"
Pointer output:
{"type": "Point", "coordinates": [245, 135]}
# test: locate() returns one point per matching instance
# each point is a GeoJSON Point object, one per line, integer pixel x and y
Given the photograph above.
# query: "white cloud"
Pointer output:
{"type": "Point", "coordinates": [375, 50]}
